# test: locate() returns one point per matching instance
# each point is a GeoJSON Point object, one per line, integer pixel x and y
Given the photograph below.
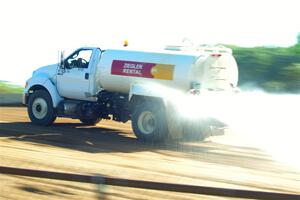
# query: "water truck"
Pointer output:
{"type": "Point", "coordinates": [128, 84]}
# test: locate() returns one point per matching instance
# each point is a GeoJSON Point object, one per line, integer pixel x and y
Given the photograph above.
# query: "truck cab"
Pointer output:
{"type": "Point", "coordinates": [75, 78]}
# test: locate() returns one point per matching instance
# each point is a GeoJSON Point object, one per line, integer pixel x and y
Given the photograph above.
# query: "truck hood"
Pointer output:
{"type": "Point", "coordinates": [48, 71]}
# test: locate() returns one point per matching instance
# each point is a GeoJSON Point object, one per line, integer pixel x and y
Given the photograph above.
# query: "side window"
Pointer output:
{"type": "Point", "coordinates": [79, 59]}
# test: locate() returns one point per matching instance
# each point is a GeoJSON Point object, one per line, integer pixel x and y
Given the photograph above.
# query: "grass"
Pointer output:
{"type": "Point", "coordinates": [6, 87]}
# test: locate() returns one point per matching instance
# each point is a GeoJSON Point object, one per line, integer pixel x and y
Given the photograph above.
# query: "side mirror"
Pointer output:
{"type": "Point", "coordinates": [61, 60]}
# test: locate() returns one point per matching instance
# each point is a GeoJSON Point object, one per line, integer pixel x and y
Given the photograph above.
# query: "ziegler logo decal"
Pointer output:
{"type": "Point", "coordinates": [141, 69]}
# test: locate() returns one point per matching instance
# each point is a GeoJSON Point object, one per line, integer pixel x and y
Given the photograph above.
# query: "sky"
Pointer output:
{"type": "Point", "coordinates": [33, 31]}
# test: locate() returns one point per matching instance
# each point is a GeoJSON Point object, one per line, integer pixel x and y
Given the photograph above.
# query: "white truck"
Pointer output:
{"type": "Point", "coordinates": [122, 84]}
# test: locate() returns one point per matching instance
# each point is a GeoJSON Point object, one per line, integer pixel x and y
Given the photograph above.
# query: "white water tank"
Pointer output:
{"type": "Point", "coordinates": [119, 69]}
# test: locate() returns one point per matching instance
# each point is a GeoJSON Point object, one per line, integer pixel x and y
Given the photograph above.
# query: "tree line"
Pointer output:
{"type": "Point", "coordinates": [273, 69]}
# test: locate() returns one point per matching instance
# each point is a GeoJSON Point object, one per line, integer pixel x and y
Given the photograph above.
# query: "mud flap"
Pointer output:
{"type": "Point", "coordinates": [185, 128]}
{"type": "Point", "coordinates": [175, 124]}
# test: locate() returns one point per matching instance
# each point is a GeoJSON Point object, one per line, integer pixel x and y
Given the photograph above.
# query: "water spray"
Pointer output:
{"type": "Point", "coordinates": [270, 122]}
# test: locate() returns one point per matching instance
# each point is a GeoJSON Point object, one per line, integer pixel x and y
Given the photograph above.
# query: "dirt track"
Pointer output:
{"type": "Point", "coordinates": [111, 149]}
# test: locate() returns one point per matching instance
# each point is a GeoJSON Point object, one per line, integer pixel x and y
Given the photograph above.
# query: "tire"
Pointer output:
{"type": "Point", "coordinates": [91, 122]}
{"type": "Point", "coordinates": [40, 108]}
{"type": "Point", "coordinates": [149, 122]}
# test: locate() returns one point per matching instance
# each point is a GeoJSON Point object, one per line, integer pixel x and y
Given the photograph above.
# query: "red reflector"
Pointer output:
{"type": "Point", "coordinates": [216, 55]}
{"type": "Point", "coordinates": [194, 92]}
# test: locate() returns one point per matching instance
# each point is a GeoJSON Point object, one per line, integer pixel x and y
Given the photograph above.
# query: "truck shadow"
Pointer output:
{"type": "Point", "coordinates": [94, 139]}
{"type": "Point", "coordinates": [71, 135]}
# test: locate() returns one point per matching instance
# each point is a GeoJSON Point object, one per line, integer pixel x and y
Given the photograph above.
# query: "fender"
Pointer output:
{"type": "Point", "coordinates": [152, 90]}
{"type": "Point", "coordinates": [143, 90]}
{"type": "Point", "coordinates": [45, 82]}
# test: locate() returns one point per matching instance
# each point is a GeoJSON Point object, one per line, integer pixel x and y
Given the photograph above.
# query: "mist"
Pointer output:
{"type": "Point", "coordinates": [267, 121]}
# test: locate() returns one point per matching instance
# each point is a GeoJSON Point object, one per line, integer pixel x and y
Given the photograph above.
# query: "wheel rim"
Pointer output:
{"type": "Point", "coordinates": [39, 108]}
{"type": "Point", "coordinates": [146, 122]}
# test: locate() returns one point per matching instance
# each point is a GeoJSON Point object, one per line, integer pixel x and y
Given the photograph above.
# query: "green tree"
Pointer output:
{"type": "Point", "coordinates": [291, 75]}
{"type": "Point", "coordinates": [274, 69]}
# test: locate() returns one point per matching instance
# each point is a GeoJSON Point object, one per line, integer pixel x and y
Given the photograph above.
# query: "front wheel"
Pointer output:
{"type": "Point", "coordinates": [149, 122]}
{"type": "Point", "coordinates": [40, 108]}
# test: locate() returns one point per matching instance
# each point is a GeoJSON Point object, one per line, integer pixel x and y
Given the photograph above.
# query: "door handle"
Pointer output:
{"type": "Point", "coordinates": [86, 75]}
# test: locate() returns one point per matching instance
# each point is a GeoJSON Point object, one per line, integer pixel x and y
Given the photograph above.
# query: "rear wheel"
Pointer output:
{"type": "Point", "coordinates": [40, 108]}
{"type": "Point", "coordinates": [149, 122]}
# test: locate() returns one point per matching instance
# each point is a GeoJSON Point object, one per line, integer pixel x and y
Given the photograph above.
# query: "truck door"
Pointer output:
{"type": "Point", "coordinates": [73, 81]}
